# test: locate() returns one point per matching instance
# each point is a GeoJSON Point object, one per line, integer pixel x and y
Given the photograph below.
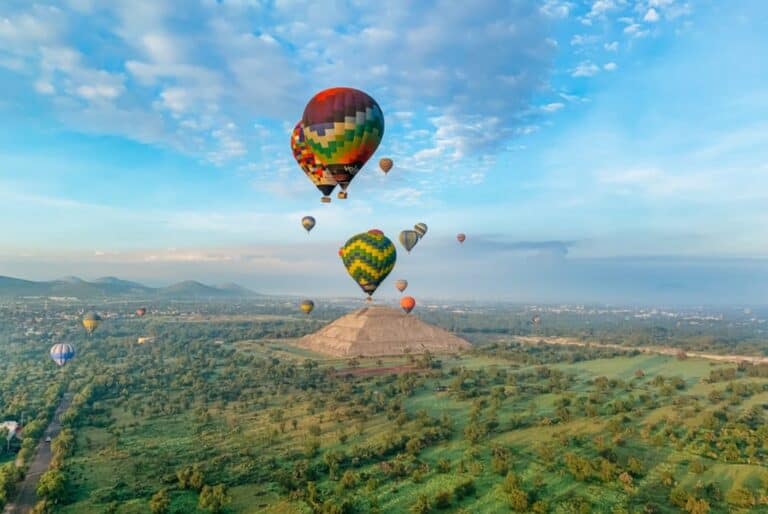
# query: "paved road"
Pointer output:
{"type": "Point", "coordinates": [27, 497]}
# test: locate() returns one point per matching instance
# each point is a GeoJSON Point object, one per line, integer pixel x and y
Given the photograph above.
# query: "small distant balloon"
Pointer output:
{"type": "Point", "coordinates": [409, 238]}
{"type": "Point", "coordinates": [420, 228]}
{"type": "Point", "coordinates": [407, 303]}
{"type": "Point", "coordinates": [536, 320]}
{"type": "Point", "coordinates": [461, 237]}
{"type": "Point", "coordinates": [141, 311]}
{"type": "Point", "coordinates": [401, 285]}
{"type": "Point", "coordinates": [307, 306]}
{"type": "Point", "coordinates": [62, 353]}
{"type": "Point", "coordinates": [91, 322]}
{"type": "Point", "coordinates": [308, 222]}
{"type": "Point", "coordinates": [386, 164]}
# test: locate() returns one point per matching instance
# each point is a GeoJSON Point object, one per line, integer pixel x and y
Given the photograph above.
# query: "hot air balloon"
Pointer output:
{"type": "Point", "coordinates": [461, 237]}
{"type": "Point", "coordinates": [91, 322]}
{"type": "Point", "coordinates": [315, 171]}
{"type": "Point", "coordinates": [308, 222]}
{"type": "Point", "coordinates": [141, 311]}
{"type": "Point", "coordinates": [401, 285]}
{"type": "Point", "coordinates": [343, 127]}
{"type": "Point", "coordinates": [407, 303]}
{"type": "Point", "coordinates": [409, 238]}
{"type": "Point", "coordinates": [307, 306]}
{"type": "Point", "coordinates": [61, 353]}
{"type": "Point", "coordinates": [369, 257]}
{"type": "Point", "coordinates": [386, 164]}
{"type": "Point", "coordinates": [420, 228]}
{"type": "Point", "coordinates": [536, 320]}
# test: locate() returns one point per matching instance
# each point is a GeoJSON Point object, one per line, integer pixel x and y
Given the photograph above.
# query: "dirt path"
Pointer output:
{"type": "Point", "coordinates": [27, 497]}
{"type": "Point", "coordinates": [661, 350]}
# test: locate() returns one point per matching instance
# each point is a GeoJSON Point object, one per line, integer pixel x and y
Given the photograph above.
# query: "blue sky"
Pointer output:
{"type": "Point", "coordinates": [149, 139]}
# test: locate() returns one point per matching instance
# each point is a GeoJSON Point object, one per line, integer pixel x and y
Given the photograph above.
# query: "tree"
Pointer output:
{"type": "Point", "coordinates": [518, 500]}
{"type": "Point", "coordinates": [422, 505]}
{"type": "Point", "coordinates": [52, 486]}
{"type": "Point", "coordinates": [213, 498]}
{"type": "Point", "coordinates": [160, 502]}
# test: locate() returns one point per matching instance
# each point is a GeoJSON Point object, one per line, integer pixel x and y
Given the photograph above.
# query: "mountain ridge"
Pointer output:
{"type": "Point", "coordinates": [113, 286]}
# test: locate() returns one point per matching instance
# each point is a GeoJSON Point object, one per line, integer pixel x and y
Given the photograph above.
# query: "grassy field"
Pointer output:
{"type": "Point", "coordinates": [124, 453]}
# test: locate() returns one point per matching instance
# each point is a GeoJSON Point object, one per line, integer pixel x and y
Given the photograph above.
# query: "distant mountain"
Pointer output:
{"type": "Point", "coordinates": [115, 287]}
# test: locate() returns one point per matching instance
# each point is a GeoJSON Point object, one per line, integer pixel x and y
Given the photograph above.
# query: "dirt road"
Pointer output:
{"type": "Point", "coordinates": [661, 350]}
{"type": "Point", "coordinates": [27, 497]}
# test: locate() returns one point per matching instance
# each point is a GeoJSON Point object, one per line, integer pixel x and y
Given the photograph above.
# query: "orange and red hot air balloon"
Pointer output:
{"type": "Point", "coordinates": [141, 311]}
{"type": "Point", "coordinates": [407, 303]}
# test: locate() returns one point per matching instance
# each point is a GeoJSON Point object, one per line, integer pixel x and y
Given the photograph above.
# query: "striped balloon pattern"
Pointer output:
{"type": "Point", "coordinates": [409, 238]}
{"type": "Point", "coordinates": [343, 128]}
{"type": "Point", "coordinates": [369, 257]}
{"type": "Point", "coordinates": [314, 170]}
{"type": "Point", "coordinates": [420, 228]}
{"type": "Point", "coordinates": [62, 353]}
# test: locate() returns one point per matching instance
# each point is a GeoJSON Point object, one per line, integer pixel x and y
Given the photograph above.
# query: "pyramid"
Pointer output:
{"type": "Point", "coordinates": [376, 330]}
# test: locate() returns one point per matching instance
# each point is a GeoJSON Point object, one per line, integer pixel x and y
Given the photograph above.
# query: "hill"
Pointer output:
{"type": "Point", "coordinates": [114, 287]}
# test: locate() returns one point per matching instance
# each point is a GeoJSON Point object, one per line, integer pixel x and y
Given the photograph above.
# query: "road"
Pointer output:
{"type": "Point", "coordinates": [26, 496]}
{"type": "Point", "coordinates": [661, 350]}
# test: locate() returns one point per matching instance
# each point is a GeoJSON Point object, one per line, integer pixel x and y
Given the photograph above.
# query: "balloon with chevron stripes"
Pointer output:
{"type": "Point", "coordinates": [369, 257]}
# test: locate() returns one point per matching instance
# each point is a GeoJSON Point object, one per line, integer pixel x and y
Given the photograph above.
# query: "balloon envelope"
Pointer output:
{"type": "Point", "coordinates": [308, 222]}
{"type": "Point", "coordinates": [401, 285]}
{"type": "Point", "coordinates": [386, 164]}
{"type": "Point", "coordinates": [420, 228]}
{"type": "Point", "coordinates": [369, 257]}
{"type": "Point", "coordinates": [407, 303]}
{"type": "Point", "coordinates": [62, 353]}
{"type": "Point", "coordinates": [342, 128]}
{"type": "Point", "coordinates": [91, 322]}
{"type": "Point", "coordinates": [313, 169]}
{"type": "Point", "coordinates": [141, 311]}
{"type": "Point", "coordinates": [461, 237]}
{"type": "Point", "coordinates": [307, 306]}
{"type": "Point", "coordinates": [409, 238]}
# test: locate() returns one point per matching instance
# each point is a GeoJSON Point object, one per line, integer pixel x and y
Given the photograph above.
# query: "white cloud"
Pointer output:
{"type": "Point", "coordinates": [552, 107]}
{"type": "Point", "coordinates": [612, 47]}
{"type": "Point", "coordinates": [600, 7]}
{"type": "Point", "coordinates": [581, 40]}
{"type": "Point", "coordinates": [651, 16]}
{"type": "Point", "coordinates": [611, 66]}
{"type": "Point", "coordinates": [44, 87]}
{"type": "Point", "coordinates": [635, 30]}
{"type": "Point", "coordinates": [585, 69]}
{"type": "Point", "coordinates": [556, 8]}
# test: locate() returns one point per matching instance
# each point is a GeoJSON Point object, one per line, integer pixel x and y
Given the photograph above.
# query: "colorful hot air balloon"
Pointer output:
{"type": "Point", "coordinates": [315, 171]}
{"type": "Point", "coordinates": [409, 238]}
{"type": "Point", "coordinates": [307, 306]}
{"type": "Point", "coordinates": [308, 222]}
{"type": "Point", "coordinates": [461, 237]}
{"type": "Point", "coordinates": [407, 303]}
{"type": "Point", "coordinates": [401, 285]}
{"type": "Point", "coordinates": [343, 127]}
{"type": "Point", "coordinates": [141, 311]}
{"type": "Point", "coordinates": [91, 322]}
{"type": "Point", "coordinates": [61, 353]}
{"type": "Point", "coordinates": [386, 164]}
{"type": "Point", "coordinates": [420, 228]}
{"type": "Point", "coordinates": [369, 257]}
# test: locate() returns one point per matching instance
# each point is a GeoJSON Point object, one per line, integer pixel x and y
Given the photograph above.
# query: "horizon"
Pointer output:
{"type": "Point", "coordinates": [593, 152]}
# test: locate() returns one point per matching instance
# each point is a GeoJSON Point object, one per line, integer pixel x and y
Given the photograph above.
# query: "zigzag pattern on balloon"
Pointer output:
{"type": "Point", "coordinates": [369, 257]}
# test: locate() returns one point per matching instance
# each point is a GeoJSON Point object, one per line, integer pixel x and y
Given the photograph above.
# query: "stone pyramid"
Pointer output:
{"type": "Point", "coordinates": [377, 330]}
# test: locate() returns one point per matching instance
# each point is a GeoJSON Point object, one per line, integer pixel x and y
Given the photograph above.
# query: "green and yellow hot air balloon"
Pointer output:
{"type": "Point", "coordinates": [369, 257]}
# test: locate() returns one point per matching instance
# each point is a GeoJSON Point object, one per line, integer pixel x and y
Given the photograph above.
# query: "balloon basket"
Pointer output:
{"type": "Point", "coordinates": [325, 199]}
{"type": "Point", "coordinates": [342, 195]}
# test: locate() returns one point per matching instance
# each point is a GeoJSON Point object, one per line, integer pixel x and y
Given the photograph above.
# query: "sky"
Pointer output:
{"type": "Point", "coordinates": [592, 151]}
